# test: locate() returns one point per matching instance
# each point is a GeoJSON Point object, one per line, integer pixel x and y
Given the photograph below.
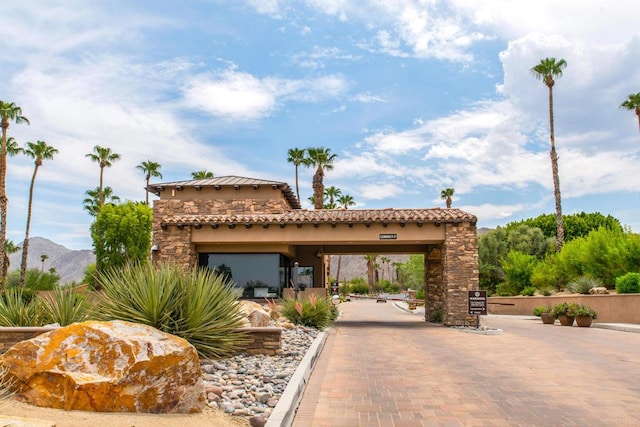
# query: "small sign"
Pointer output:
{"type": "Point", "coordinates": [334, 288]}
{"type": "Point", "coordinates": [478, 303]}
{"type": "Point", "coordinates": [392, 236]}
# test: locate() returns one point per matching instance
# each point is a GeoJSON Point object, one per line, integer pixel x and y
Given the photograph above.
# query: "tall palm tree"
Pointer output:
{"type": "Point", "coordinates": [296, 156]}
{"type": "Point", "coordinates": [203, 174]}
{"type": "Point", "coordinates": [446, 195]}
{"type": "Point", "coordinates": [632, 103]}
{"type": "Point", "coordinates": [9, 248]}
{"type": "Point", "coordinates": [372, 265]}
{"type": "Point", "coordinates": [105, 158]}
{"type": "Point", "coordinates": [345, 200]}
{"type": "Point", "coordinates": [321, 159]}
{"type": "Point", "coordinates": [92, 203]}
{"type": "Point", "coordinates": [9, 112]}
{"type": "Point", "coordinates": [547, 70]}
{"type": "Point", "coordinates": [39, 151]}
{"type": "Point", "coordinates": [43, 258]}
{"type": "Point", "coordinates": [332, 193]}
{"type": "Point", "coordinates": [150, 169]}
{"type": "Point", "coordinates": [12, 147]}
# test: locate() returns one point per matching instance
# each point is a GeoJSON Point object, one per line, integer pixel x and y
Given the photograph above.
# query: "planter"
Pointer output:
{"type": "Point", "coordinates": [584, 321]}
{"type": "Point", "coordinates": [547, 318]}
{"type": "Point", "coordinates": [566, 320]}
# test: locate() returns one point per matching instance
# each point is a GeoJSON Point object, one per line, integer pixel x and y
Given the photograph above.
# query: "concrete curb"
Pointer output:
{"type": "Point", "coordinates": [622, 327]}
{"type": "Point", "coordinates": [285, 410]}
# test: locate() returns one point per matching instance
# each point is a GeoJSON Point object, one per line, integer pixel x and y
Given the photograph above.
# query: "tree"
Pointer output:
{"type": "Point", "coordinates": [39, 151]}
{"type": "Point", "coordinates": [121, 235]}
{"type": "Point", "coordinates": [296, 156]}
{"type": "Point", "coordinates": [371, 270]}
{"type": "Point", "coordinates": [203, 174]}
{"type": "Point", "coordinates": [9, 112]}
{"type": "Point", "coordinates": [43, 258]}
{"type": "Point", "coordinates": [150, 169]}
{"type": "Point", "coordinates": [9, 248]}
{"type": "Point", "coordinates": [321, 159]}
{"type": "Point", "coordinates": [547, 70]}
{"type": "Point", "coordinates": [92, 203]}
{"type": "Point", "coordinates": [446, 195]}
{"type": "Point", "coordinates": [575, 225]}
{"type": "Point", "coordinates": [345, 201]}
{"type": "Point", "coordinates": [332, 193]}
{"type": "Point", "coordinates": [105, 158]}
{"type": "Point", "coordinates": [632, 103]}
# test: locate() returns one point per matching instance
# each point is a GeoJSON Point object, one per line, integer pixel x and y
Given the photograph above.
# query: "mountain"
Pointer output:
{"type": "Point", "coordinates": [352, 266]}
{"type": "Point", "coordinates": [69, 264]}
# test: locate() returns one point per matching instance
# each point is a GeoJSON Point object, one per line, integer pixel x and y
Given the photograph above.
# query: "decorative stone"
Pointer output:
{"type": "Point", "coordinates": [112, 366]}
{"type": "Point", "coordinates": [257, 316]}
{"type": "Point", "coordinates": [599, 290]}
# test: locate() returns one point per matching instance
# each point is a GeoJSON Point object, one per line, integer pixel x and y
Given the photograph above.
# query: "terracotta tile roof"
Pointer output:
{"type": "Point", "coordinates": [229, 181]}
{"type": "Point", "coordinates": [329, 216]}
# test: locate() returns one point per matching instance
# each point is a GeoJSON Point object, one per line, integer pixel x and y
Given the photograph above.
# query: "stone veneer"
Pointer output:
{"type": "Point", "coordinates": [460, 273]}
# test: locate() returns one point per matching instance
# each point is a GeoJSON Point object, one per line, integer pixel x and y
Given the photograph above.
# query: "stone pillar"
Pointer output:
{"type": "Point", "coordinates": [460, 260]}
{"type": "Point", "coordinates": [174, 246]}
{"type": "Point", "coordinates": [434, 286]}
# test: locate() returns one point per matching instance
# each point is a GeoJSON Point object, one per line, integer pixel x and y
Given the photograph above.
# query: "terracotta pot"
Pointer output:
{"type": "Point", "coordinates": [547, 318]}
{"type": "Point", "coordinates": [584, 321]}
{"type": "Point", "coordinates": [566, 320]}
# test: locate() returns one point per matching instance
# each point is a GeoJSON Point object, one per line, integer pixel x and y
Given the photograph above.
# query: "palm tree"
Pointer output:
{"type": "Point", "coordinates": [92, 203]}
{"type": "Point", "coordinates": [150, 169]}
{"type": "Point", "coordinates": [296, 156]}
{"type": "Point", "coordinates": [203, 174]}
{"type": "Point", "coordinates": [12, 147]}
{"type": "Point", "coordinates": [547, 70]}
{"type": "Point", "coordinates": [105, 158]}
{"type": "Point", "coordinates": [446, 195]}
{"type": "Point", "coordinates": [321, 159]}
{"type": "Point", "coordinates": [345, 201]}
{"type": "Point", "coordinates": [43, 258]}
{"type": "Point", "coordinates": [332, 193]}
{"type": "Point", "coordinates": [371, 270]}
{"type": "Point", "coordinates": [9, 248]}
{"type": "Point", "coordinates": [39, 151]}
{"type": "Point", "coordinates": [632, 103]}
{"type": "Point", "coordinates": [9, 112]}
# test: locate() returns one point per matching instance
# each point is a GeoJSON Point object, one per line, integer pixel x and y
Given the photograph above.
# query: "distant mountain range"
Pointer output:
{"type": "Point", "coordinates": [69, 264]}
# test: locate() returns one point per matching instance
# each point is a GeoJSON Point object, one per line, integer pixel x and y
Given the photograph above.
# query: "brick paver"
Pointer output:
{"type": "Point", "coordinates": [385, 367]}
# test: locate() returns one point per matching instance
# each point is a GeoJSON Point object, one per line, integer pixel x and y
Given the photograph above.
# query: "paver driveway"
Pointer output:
{"type": "Point", "coordinates": [382, 366]}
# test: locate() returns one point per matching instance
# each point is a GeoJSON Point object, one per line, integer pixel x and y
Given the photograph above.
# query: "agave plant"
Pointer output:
{"type": "Point", "coordinates": [6, 386]}
{"type": "Point", "coordinates": [583, 284]}
{"type": "Point", "coordinates": [65, 306]}
{"type": "Point", "coordinates": [196, 305]}
{"type": "Point", "coordinates": [17, 309]}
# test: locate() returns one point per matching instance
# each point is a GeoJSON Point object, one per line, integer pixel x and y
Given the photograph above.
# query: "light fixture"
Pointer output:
{"type": "Point", "coordinates": [318, 254]}
{"type": "Point", "coordinates": [154, 248]}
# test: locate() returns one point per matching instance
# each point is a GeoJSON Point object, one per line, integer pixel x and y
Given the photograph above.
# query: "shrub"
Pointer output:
{"type": "Point", "coordinates": [16, 310]}
{"type": "Point", "coordinates": [628, 284]}
{"type": "Point", "coordinates": [537, 311]}
{"type": "Point", "coordinates": [528, 291]}
{"type": "Point", "coordinates": [562, 308]}
{"type": "Point", "coordinates": [518, 268]}
{"type": "Point", "coordinates": [196, 305]}
{"type": "Point", "coordinates": [6, 386]}
{"type": "Point", "coordinates": [583, 284]}
{"type": "Point", "coordinates": [35, 280]}
{"type": "Point", "coordinates": [581, 310]}
{"type": "Point", "coordinates": [359, 287]}
{"type": "Point", "coordinates": [314, 312]}
{"type": "Point", "coordinates": [64, 307]}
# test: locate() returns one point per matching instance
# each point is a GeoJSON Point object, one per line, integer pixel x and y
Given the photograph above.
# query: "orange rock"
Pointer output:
{"type": "Point", "coordinates": [112, 366]}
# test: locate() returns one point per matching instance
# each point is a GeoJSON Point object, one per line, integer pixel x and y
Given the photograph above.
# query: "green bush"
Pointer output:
{"type": "Point", "coordinates": [420, 293]}
{"type": "Point", "coordinates": [583, 284]}
{"type": "Point", "coordinates": [359, 287]}
{"type": "Point", "coordinates": [581, 310]}
{"type": "Point", "coordinates": [528, 291]}
{"type": "Point", "coordinates": [518, 269]}
{"type": "Point", "coordinates": [562, 308]}
{"type": "Point", "coordinates": [64, 307]}
{"type": "Point", "coordinates": [196, 305]}
{"type": "Point", "coordinates": [35, 280]}
{"type": "Point", "coordinates": [314, 312]}
{"type": "Point", "coordinates": [537, 311]}
{"type": "Point", "coordinates": [628, 284]}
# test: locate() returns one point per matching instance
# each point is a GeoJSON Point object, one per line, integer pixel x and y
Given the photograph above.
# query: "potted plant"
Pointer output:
{"type": "Point", "coordinates": [583, 313]}
{"type": "Point", "coordinates": [544, 313]}
{"type": "Point", "coordinates": [562, 313]}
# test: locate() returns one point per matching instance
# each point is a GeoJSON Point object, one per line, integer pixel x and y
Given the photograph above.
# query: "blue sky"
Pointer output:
{"type": "Point", "coordinates": [413, 96]}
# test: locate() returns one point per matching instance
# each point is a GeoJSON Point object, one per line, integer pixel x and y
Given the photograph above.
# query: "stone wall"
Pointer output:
{"type": "Point", "coordinates": [460, 272]}
{"type": "Point", "coordinates": [434, 289]}
{"type": "Point", "coordinates": [12, 335]}
{"type": "Point", "coordinates": [266, 340]}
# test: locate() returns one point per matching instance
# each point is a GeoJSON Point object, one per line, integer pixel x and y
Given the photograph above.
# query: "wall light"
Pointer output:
{"type": "Point", "coordinates": [318, 254]}
{"type": "Point", "coordinates": [154, 248]}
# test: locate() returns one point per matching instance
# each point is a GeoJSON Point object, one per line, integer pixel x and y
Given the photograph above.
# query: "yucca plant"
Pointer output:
{"type": "Point", "coordinates": [6, 386]}
{"type": "Point", "coordinates": [314, 312]}
{"type": "Point", "coordinates": [583, 284]}
{"type": "Point", "coordinates": [196, 305]}
{"type": "Point", "coordinates": [18, 310]}
{"type": "Point", "coordinates": [65, 306]}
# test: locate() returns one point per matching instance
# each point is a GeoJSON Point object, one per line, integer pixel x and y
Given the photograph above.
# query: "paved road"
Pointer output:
{"type": "Point", "coordinates": [384, 367]}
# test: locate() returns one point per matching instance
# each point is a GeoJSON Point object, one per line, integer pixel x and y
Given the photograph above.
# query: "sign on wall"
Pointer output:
{"type": "Point", "coordinates": [478, 303]}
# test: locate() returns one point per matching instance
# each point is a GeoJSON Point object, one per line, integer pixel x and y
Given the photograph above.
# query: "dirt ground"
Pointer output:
{"type": "Point", "coordinates": [61, 418]}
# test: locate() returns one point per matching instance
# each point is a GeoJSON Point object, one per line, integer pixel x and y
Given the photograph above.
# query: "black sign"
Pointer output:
{"type": "Point", "coordinates": [334, 288]}
{"type": "Point", "coordinates": [393, 236]}
{"type": "Point", "coordinates": [478, 303]}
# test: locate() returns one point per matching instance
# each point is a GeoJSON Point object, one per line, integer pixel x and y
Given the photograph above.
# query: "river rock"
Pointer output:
{"type": "Point", "coordinates": [112, 366]}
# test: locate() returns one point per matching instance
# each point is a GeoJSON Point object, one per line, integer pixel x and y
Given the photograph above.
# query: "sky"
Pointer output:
{"type": "Point", "coordinates": [413, 96]}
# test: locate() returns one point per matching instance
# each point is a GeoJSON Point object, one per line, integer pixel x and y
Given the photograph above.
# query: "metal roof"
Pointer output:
{"type": "Point", "coordinates": [230, 181]}
{"type": "Point", "coordinates": [330, 216]}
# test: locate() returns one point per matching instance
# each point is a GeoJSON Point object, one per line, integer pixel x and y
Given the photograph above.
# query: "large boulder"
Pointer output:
{"type": "Point", "coordinates": [255, 314]}
{"type": "Point", "coordinates": [112, 366]}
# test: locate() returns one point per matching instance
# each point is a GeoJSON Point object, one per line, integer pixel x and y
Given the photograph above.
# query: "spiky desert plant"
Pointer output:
{"type": "Point", "coordinates": [6, 386]}
{"type": "Point", "coordinates": [196, 305]}
{"type": "Point", "coordinates": [17, 309]}
{"type": "Point", "coordinates": [64, 306]}
{"type": "Point", "coordinates": [583, 284]}
{"type": "Point", "coordinates": [313, 312]}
